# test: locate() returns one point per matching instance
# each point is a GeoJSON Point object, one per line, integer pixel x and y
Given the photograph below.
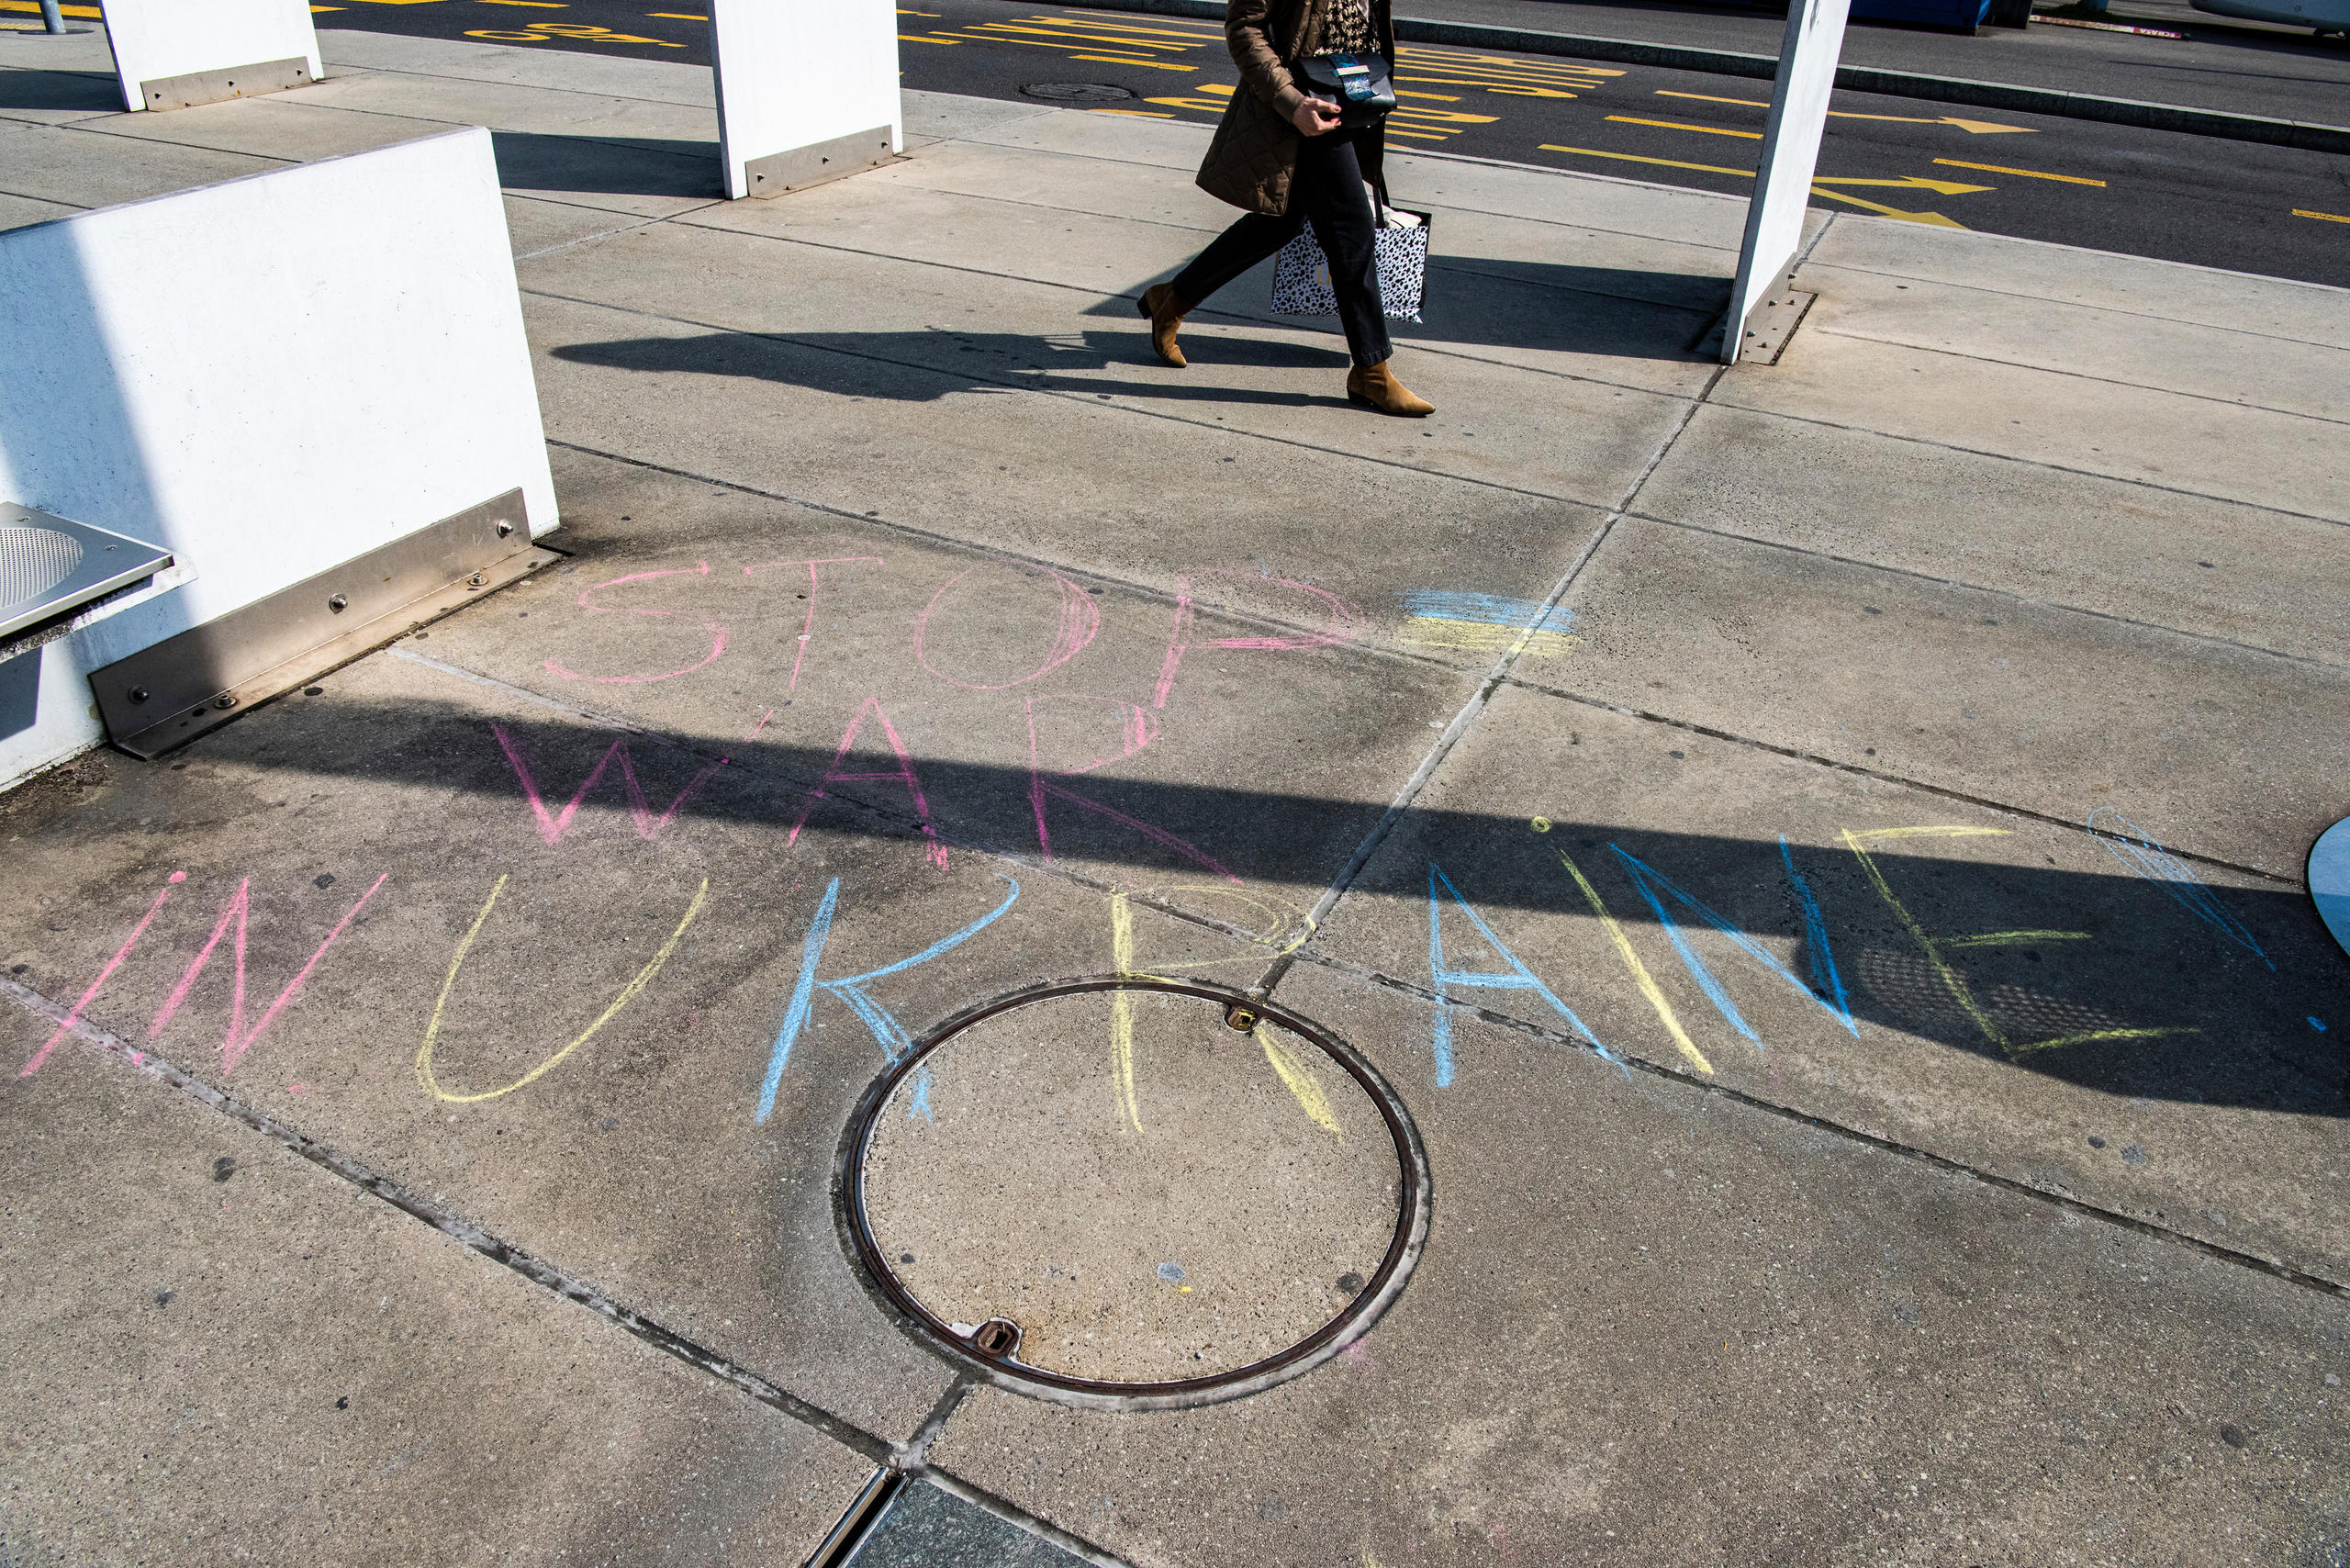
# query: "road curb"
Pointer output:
{"type": "Point", "coordinates": [2014, 99]}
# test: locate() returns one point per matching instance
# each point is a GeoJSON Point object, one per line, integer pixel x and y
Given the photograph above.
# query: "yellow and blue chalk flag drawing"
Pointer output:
{"type": "Point", "coordinates": [1485, 624]}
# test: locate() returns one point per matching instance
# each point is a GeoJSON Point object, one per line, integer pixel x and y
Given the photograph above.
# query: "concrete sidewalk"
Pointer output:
{"type": "Point", "coordinates": [1815, 850]}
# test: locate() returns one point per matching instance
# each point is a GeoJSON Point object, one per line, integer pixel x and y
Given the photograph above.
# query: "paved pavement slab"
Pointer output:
{"type": "Point", "coordinates": [2072, 1010]}
{"type": "Point", "coordinates": [1859, 749]}
{"type": "Point", "coordinates": [1656, 1324]}
{"type": "Point", "coordinates": [1996, 698]}
{"type": "Point", "coordinates": [221, 1351]}
{"type": "Point", "coordinates": [2158, 558]}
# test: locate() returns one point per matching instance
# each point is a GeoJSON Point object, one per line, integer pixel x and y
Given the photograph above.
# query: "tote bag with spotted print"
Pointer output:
{"type": "Point", "coordinates": [1302, 273]}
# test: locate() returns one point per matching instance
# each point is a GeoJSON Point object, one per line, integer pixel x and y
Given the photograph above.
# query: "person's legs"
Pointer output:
{"type": "Point", "coordinates": [1248, 242]}
{"type": "Point", "coordinates": [1329, 186]}
{"type": "Point", "coordinates": [1238, 249]}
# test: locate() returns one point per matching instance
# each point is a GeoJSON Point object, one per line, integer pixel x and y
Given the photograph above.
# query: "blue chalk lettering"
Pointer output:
{"type": "Point", "coordinates": [886, 1032]}
{"type": "Point", "coordinates": [1519, 978]}
{"type": "Point", "coordinates": [1648, 879]}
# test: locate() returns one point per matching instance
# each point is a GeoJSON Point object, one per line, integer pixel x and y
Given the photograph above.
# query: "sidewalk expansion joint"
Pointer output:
{"type": "Point", "coordinates": [2010, 595]}
{"type": "Point", "coordinates": [343, 70]}
{"type": "Point", "coordinates": [1825, 331]}
{"type": "Point", "coordinates": [1475, 707]}
{"type": "Point", "coordinates": [866, 1445]}
{"type": "Point", "coordinates": [2106, 308]}
{"type": "Point", "coordinates": [2110, 478]}
{"type": "Point", "coordinates": [1795, 754]}
{"type": "Point", "coordinates": [1447, 264]}
{"type": "Point", "coordinates": [1630, 1063]}
{"type": "Point", "coordinates": [1012, 558]}
{"type": "Point", "coordinates": [1076, 390]}
{"type": "Point", "coordinates": [603, 233]}
{"type": "Point", "coordinates": [915, 1452]}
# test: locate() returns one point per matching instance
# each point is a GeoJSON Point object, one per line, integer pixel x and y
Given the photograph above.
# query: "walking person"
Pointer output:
{"type": "Point", "coordinates": [1288, 158]}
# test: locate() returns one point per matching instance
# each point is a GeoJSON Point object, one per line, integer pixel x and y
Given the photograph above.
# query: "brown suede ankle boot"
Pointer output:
{"type": "Point", "coordinates": [1165, 313]}
{"type": "Point", "coordinates": [1375, 386]}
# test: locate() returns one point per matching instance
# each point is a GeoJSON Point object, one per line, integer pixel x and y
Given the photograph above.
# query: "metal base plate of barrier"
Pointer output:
{"type": "Point", "coordinates": [1767, 330]}
{"type": "Point", "coordinates": [53, 567]}
{"type": "Point", "coordinates": [163, 697]}
{"type": "Point", "coordinates": [213, 86]}
{"type": "Point", "coordinates": [803, 166]}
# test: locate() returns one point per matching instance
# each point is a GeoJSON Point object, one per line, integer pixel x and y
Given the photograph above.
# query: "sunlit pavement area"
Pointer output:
{"type": "Point", "coordinates": [1813, 852]}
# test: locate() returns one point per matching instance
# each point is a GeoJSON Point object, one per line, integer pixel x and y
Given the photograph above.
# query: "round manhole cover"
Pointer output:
{"type": "Point", "coordinates": [1076, 92]}
{"type": "Point", "coordinates": [1109, 1188]}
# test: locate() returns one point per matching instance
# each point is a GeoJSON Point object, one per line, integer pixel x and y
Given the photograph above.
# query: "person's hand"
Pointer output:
{"type": "Point", "coordinates": [1315, 117]}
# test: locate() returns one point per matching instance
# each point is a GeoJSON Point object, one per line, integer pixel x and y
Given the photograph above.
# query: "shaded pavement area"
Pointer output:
{"type": "Point", "coordinates": [1814, 849]}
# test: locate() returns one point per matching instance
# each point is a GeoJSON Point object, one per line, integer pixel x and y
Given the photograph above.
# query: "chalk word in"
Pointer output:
{"type": "Point", "coordinates": [235, 915]}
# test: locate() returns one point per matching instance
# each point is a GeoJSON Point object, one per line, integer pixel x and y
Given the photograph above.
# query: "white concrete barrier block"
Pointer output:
{"type": "Point", "coordinates": [1808, 52]}
{"type": "Point", "coordinates": [267, 378]}
{"type": "Point", "coordinates": [807, 92]}
{"type": "Point", "coordinates": [172, 53]}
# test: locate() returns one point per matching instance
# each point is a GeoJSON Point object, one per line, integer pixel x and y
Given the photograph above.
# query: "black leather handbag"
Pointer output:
{"type": "Point", "coordinates": [1357, 83]}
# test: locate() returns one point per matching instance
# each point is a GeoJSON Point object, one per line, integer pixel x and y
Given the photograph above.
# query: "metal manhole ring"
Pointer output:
{"type": "Point", "coordinates": [1076, 92]}
{"type": "Point", "coordinates": [1413, 1195]}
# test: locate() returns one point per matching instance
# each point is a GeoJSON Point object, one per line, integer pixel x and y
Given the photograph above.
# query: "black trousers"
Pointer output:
{"type": "Point", "coordinates": [1326, 191]}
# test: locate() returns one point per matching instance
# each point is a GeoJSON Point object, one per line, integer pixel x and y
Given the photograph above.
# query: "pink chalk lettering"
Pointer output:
{"type": "Point", "coordinates": [237, 912]}
{"type": "Point", "coordinates": [717, 632]}
{"type": "Point", "coordinates": [903, 774]}
{"type": "Point", "coordinates": [1082, 725]}
{"type": "Point", "coordinates": [808, 626]}
{"type": "Point", "coordinates": [104, 975]}
{"type": "Point", "coordinates": [1079, 621]}
{"type": "Point", "coordinates": [1339, 621]}
{"type": "Point", "coordinates": [1041, 788]}
{"type": "Point", "coordinates": [553, 826]}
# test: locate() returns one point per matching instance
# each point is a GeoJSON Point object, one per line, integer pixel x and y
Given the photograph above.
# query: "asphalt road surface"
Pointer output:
{"type": "Point", "coordinates": [2224, 204]}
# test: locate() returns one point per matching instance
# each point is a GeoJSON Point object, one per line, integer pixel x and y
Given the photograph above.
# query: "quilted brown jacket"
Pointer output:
{"type": "Point", "coordinates": [1254, 154]}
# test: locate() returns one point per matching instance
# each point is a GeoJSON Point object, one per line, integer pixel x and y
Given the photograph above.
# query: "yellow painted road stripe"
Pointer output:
{"type": "Point", "coordinates": [1709, 98]}
{"type": "Point", "coordinates": [2026, 174]}
{"type": "Point", "coordinates": [1677, 125]}
{"type": "Point", "coordinates": [1077, 36]}
{"type": "Point", "coordinates": [1170, 29]}
{"type": "Point", "coordinates": [1423, 135]}
{"type": "Point", "coordinates": [90, 12]}
{"type": "Point", "coordinates": [1138, 113]}
{"type": "Point", "coordinates": [1634, 158]}
{"type": "Point", "coordinates": [2298, 212]}
{"type": "Point", "coordinates": [1932, 219]}
{"type": "Point", "coordinates": [1972, 126]}
{"type": "Point", "coordinates": [1120, 60]}
{"type": "Point", "coordinates": [916, 37]}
